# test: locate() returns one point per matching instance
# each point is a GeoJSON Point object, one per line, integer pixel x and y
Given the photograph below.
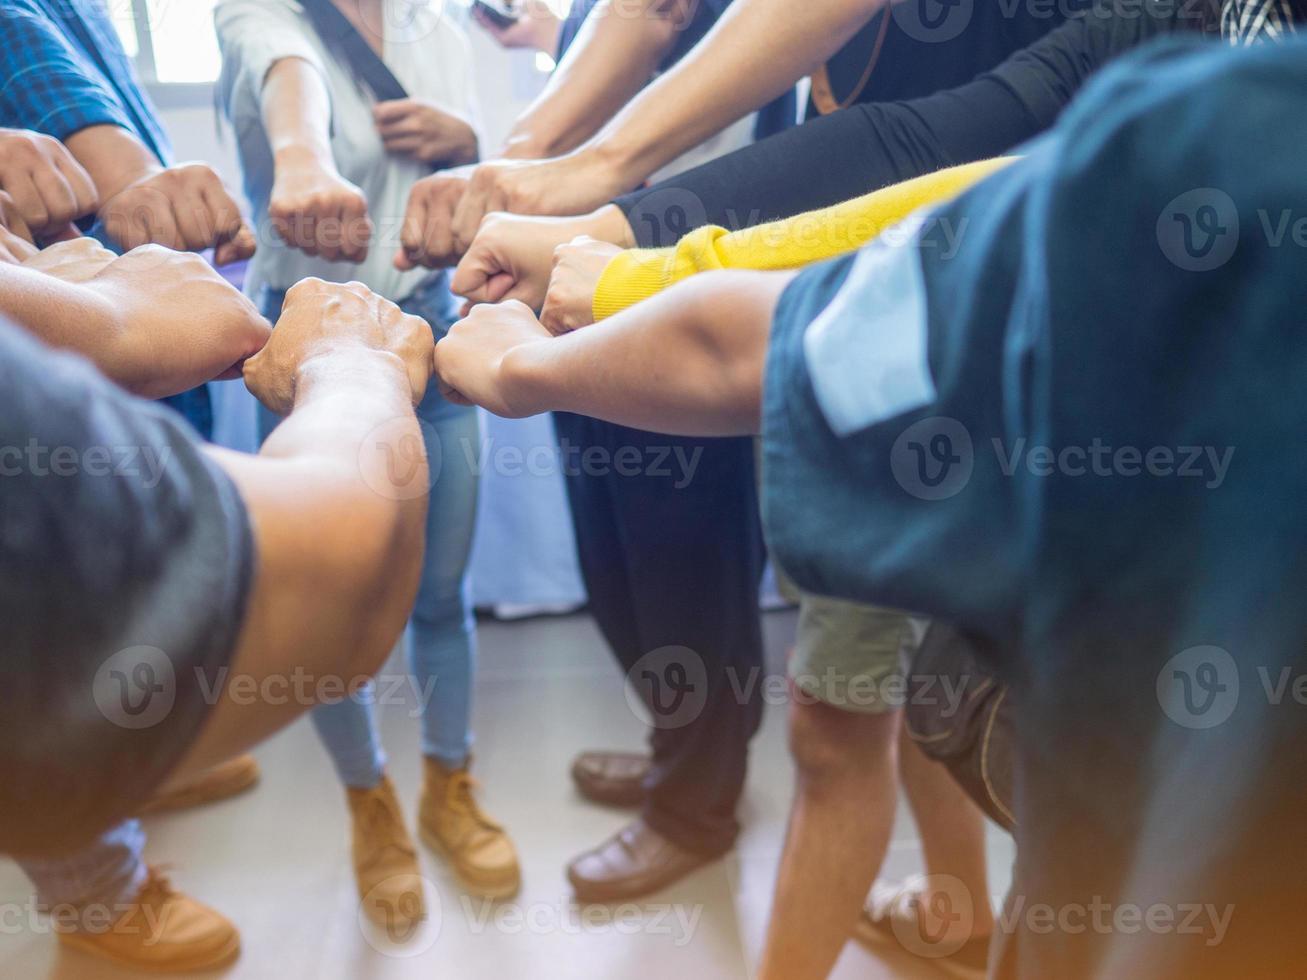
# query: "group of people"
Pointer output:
{"type": "Point", "coordinates": [995, 358]}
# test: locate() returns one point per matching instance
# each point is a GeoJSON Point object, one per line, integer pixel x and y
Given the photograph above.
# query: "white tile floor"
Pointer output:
{"type": "Point", "coordinates": [276, 860]}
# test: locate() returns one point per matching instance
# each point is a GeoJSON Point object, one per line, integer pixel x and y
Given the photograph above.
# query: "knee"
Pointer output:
{"type": "Point", "coordinates": [831, 745]}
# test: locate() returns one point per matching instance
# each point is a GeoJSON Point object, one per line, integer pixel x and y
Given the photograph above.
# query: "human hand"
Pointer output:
{"type": "Point", "coordinates": [314, 209]}
{"type": "Point", "coordinates": [77, 260]}
{"type": "Point", "coordinates": [572, 184]}
{"type": "Point", "coordinates": [423, 130]}
{"type": "Point", "coordinates": [569, 301]}
{"type": "Point", "coordinates": [185, 208]}
{"type": "Point", "coordinates": [170, 322]}
{"type": "Point", "coordinates": [321, 319]}
{"type": "Point", "coordinates": [427, 236]}
{"type": "Point", "coordinates": [474, 360]}
{"type": "Point", "coordinates": [512, 256]}
{"type": "Point", "coordinates": [15, 238]}
{"type": "Point", "coordinates": [537, 27]}
{"type": "Point", "coordinates": [48, 187]}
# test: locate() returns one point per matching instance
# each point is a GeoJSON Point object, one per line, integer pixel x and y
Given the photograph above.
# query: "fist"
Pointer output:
{"type": "Point", "coordinates": [473, 361]}
{"type": "Point", "coordinates": [48, 187]}
{"type": "Point", "coordinates": [186, 208]}
{"type": "Point", "coordinates": [15, 238]}
{"type": "Point", "coordinates": [427, 238]}
{"type": "Point", "coordinates": [569, 301]}
{"type": "Point", "coordinates": [320, 213]}
{"type": "Point", "coordinates": [321, 319]}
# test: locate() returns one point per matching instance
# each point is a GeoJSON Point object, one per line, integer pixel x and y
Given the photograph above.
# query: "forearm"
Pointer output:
{"type": "Point", "coordinates": [612, 58]}
{"type": "Point", "coordinates": [689, 361]}
{"type": "Point", "coordinates": [723, 78]}
{"type": "Point", "coordinates": [113, 157]}
{"type": "Point", "coordinates": [296, 110]}
{"type": "Point", "coordinates": [73, 317]}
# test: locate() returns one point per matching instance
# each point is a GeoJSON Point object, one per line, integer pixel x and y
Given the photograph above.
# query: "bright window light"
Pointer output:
{"type": "Point", "coordinates": [185, 45]}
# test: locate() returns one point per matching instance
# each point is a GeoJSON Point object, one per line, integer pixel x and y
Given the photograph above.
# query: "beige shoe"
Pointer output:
{"type": "Point", "coordinates": [385, 860]}
{"type": "Point", "coordinates": [162, 930]}
{"type": "Point", "coordinates": [452, 824]}
{"type": "Point", "coordinates": [224, 780]}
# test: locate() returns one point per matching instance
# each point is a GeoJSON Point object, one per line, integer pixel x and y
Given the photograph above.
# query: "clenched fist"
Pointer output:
{"type": "Point", "coordinates": [319, 212]}
{"type": "Point", "coordinates": [427, 237]}
{"type": "Point", "coordinates": [48, 187]}
{"type": "Point", "coordinates": [172, 322]}
{"type": "Point", "coordinates": [569, 302]}
{"type": "Point", "coordinates": [186, 208]}
{"type": "Point", "coordinates": [321, 319]}
{"type": "Point", "coordinates": [474, 360]}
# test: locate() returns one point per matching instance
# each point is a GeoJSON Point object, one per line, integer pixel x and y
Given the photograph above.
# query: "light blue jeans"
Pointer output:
{"type": "Point", "coordinates": [440, 639]}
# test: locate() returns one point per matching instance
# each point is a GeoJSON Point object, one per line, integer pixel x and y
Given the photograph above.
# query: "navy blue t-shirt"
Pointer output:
{"type": "Point", "coordinates": [1067, 416]}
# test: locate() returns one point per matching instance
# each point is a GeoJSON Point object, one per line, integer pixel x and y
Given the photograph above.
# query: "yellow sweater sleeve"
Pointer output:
{"type": "Point", "coordinates": [639, 273]}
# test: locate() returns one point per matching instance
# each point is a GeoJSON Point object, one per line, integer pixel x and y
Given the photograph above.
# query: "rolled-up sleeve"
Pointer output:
{"type": "Point", "coordinates": [48, 87]}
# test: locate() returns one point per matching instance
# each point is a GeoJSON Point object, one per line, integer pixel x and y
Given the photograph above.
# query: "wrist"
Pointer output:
{"type": "Point", "coordinates": [524, 378]}
{"type": "Point", "coordinates": [297, 158]}
{"type": "Point", "coordinates": [331, 366]}
{"type": "Point", "coordinates": [609, 224]}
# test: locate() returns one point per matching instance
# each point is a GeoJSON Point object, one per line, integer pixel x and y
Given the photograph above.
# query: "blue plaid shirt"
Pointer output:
{"type": "Point", "coordinates": [64, 69]}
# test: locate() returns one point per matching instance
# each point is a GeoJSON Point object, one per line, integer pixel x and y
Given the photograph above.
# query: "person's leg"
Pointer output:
{"type": "Point", "coordinates": [844, 673]}
{"type": "Point", "coordinates": [676, 520]}
{"type": "Point", "coordinates": [952, 831]}
{"type": "Point", "coordinates": [840, 823]}
{"type": "Point", "coordinates": [104, 900]}
{"type": "Point", "coordinates": [441, 637]}
{"type": "Point", "coordinates": [695, 559]}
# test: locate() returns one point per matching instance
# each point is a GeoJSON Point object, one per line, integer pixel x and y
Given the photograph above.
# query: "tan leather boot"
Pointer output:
{"type": "Point", "coordinates": [454, 826]}
{"type": "Point", "coordinates": [385, 860]}
{"type": "Point", "coordinates": [161, 930]}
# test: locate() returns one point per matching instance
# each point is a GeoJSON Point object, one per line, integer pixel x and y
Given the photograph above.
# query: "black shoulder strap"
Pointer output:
{"type": "Point", "coordinates": [343, 38]}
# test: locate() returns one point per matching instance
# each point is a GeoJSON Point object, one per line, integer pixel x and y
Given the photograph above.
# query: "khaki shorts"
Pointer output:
{"type": "Point", "coordinates": [849, 655]}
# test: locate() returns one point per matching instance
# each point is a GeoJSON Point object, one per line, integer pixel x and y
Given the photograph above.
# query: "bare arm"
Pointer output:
{"type": "Point", "coordinates": [688, 361]}
{"type": "Point", "coordinates": [312, 207]}
{"type": "Point", "coordinates": [157, 322]}
{"type": "Point", "coordinates": [615, 53]}
{"type": "Point", "coordinates": [185, 207]}
{"type": "Point", "coordinates": [758, 50]}
{"type": "Point", "coordinates": [339, 540]}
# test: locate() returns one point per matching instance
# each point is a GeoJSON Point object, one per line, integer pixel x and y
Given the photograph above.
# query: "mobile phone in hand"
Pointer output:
{"type": "Point", "coordinates": [497, 12]}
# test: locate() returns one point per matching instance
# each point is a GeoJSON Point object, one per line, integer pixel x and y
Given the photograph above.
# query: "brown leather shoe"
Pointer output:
{"type": "Point", "coordinates": [162, 930]}
{"type": "Point", "coordinates": [635, 862]}
{"type": "Point", "coordinates": [611, 778]}
{"type": "Point", "coordinates": [231, 777]}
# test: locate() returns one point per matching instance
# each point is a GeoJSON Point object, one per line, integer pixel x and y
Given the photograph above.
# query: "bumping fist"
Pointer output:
{"type": "Point", "coordinates": [77, 260]}
{"type": "Point", "coordinates": [321, 318]}
{"type": "Point", "coordinates": [48, 188]}
{"type": "Point", "coordinates": [320, 213]}
{"type": "Point", "coordinates": [427, 237]}
{"type": "Point", "coordinates": [186, 208]}
{"type": "Point", "coordinates": [474, 360]}
{"type": "Point", "coordinates": [569, 301]}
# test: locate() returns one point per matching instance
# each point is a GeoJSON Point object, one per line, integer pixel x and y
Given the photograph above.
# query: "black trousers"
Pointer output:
{"type": "Point", "coordinates": [671, 552]}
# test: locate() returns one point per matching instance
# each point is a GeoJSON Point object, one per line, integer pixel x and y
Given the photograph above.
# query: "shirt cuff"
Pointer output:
{"type": "Point", "coordinates": [631, 276]}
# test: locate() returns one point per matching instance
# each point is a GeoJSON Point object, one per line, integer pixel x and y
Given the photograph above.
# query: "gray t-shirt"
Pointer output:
{"type": "Point", "coordinates": [125, 563]}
